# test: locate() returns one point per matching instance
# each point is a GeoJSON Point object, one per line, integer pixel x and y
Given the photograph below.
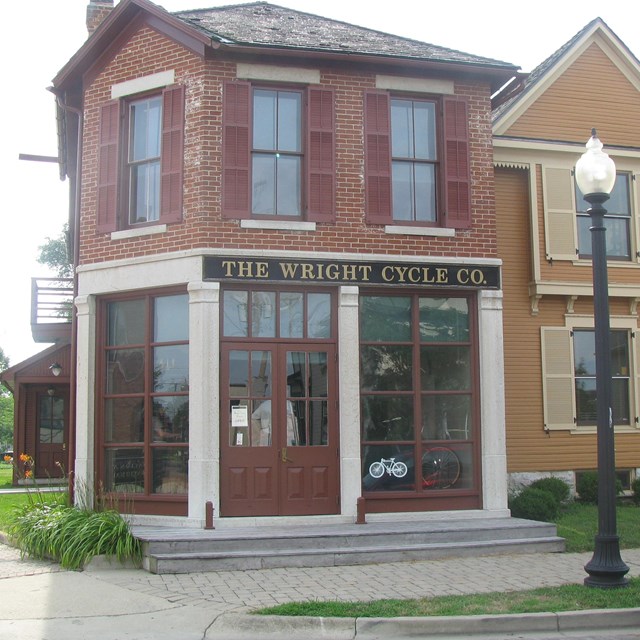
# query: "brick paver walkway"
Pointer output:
{"type": "Point", "coordinates": [239, 590]}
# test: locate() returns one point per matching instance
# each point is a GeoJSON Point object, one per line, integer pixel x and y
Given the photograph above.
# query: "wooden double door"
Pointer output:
{"type": "Point", "coordinates": [279, 437]}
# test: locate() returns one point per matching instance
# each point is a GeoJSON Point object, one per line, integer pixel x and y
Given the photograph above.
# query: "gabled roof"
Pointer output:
{"type": "Point", "coordinates": [261, 28]}
{"type": "Point", "coordinates": [534, 83]}
{"type": "Point", "coordinates": [8, 376]}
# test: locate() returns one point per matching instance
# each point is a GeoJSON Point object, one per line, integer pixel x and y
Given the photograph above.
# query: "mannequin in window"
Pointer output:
{"type": "Point", "coordinates": [261, 425]}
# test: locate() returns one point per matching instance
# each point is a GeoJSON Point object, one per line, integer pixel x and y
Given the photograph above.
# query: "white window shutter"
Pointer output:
{"type": "Point", "coordinates": [559, 214]}
{"type": "Point", "coordinates": [635, 367]}
{"type": "Point", "coordinates": [635, 212]}
{"type": "Point", "coordinates": [557, 378]}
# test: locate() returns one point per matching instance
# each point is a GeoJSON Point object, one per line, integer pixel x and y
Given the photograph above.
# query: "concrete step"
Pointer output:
{"type": "Point", "coordinates": [240, 548]}
{"type": "Point", "coordinates": [329, 557]}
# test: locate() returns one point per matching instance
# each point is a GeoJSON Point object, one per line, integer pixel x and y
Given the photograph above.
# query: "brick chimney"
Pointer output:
{"type": "Point", "coordinates": [97, 11]}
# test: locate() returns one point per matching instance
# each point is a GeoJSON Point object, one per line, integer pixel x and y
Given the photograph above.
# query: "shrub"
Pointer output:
{"type": "Point", "coordinates": [635, 487]}
{"type": "Point", "coordinates": [587, 487]}
{"type": "Point", "coordinates": [534, 504]}
{"type": "Point", "coordinates": [558, 488]}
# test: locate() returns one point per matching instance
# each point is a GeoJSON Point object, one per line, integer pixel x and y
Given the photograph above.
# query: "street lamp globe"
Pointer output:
{"type": "Point", "coordinates": [595, 170]}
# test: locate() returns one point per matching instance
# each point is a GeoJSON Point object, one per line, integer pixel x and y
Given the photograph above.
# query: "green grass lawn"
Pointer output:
{"type": "Point", "coordinates": [9, 502]}
{"type": "Point", "coordinates": [565, 598]}
{"type": "Point", "coordinates": [6, 475]}
{"type": "Point", "coordinates": [578, 524]}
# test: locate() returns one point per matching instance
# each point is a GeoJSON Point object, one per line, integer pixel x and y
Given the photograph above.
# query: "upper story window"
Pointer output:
{"type": "Point", "coordinates": [145, 120]}
{"type": "Point", "coordinates": [617, 221]}
{"type": "Point", "coordinates": [414, 160]}
{"type": "Point", "coordinates": [278, 152]}
{"type": "Point", "coordinates": [140, 164]}
{"type": "Point", "coordinates": [276, 163]}
{"type": "Point", "coordinates": [417, 168]}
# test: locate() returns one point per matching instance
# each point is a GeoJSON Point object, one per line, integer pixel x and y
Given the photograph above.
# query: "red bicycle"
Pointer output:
{"type": "Point", "coordinates": [440, 468]}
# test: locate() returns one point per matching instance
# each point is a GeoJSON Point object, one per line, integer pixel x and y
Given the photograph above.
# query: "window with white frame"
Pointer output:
{"type": "Point", "coordinates": [617, 221]}
{"type": "Point", "coordinates": [569, 376]}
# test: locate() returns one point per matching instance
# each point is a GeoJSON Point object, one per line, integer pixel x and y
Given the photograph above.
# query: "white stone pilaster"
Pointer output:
{"type": "Point", "coordinates": [204, 401]}
{"type": "Point", "coordinates": [494, 451]}
{"type": "Point", "coordinates": [349, 381]}
{"type": "Point", "coordinates": [84, 471]}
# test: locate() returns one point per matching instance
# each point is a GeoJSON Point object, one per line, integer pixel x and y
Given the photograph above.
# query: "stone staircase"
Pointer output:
{"type": "Point", "coordinates": [180, 550]}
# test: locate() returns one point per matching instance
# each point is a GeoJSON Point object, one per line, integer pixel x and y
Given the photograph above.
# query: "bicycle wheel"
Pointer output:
{"type": "Point", "coordinates": [399, 469]}
{"type": "Point", "coordinates": [440, 468]}
{"type": "Point", "coordinates": [376, 469]}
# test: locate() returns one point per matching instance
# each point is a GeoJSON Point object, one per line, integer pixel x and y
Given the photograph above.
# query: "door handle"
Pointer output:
{"type": "Point", "coordinates": [283, 455]}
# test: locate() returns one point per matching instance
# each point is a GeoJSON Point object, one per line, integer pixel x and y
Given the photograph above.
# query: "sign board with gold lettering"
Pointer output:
{"type": "Point", "coordinates": [351, 272]}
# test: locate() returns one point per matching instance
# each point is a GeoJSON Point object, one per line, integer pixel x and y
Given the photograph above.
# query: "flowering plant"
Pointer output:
{"type": "Point", "coordinates": [27, 463]}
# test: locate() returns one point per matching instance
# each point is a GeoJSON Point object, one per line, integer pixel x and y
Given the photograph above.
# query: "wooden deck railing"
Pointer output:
{"type": "Point", "coordinates": [51, 308]}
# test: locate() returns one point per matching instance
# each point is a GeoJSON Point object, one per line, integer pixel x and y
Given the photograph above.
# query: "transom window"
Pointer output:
{"type": "Point", "coordinates": [145, 127]}
{"type": "Point", "coordinates": [277, 314]}
{"type": "Point", "coordinates": [277, 152]}
{"type": "Point", "coordinates": [414, 160]}
{"type": "Point", "coordinates": [585, 376]}
{"type": "Point", "coordinates": [617, 221]}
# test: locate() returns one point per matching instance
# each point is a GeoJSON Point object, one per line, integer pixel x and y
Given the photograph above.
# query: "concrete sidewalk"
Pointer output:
{"type": "Point", "coordinates": [40, 600]}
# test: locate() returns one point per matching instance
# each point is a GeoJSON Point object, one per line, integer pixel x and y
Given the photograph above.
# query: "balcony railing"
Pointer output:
{"type": "Point", "coordinates": [51, 308]}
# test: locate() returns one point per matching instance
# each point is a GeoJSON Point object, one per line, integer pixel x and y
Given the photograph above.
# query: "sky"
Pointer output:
{"type": "Point", "coordinates": [41, 35]}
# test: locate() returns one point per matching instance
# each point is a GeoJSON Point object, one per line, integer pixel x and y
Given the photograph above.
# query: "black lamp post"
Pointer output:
{"type": "Point", "coordinates": [596, 176]}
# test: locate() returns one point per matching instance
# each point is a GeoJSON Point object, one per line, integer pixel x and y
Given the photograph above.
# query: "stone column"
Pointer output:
{"type": "Point", "coordinates": [494, 450]}
{"type": "Point", "coordinates": [84, 489]}
{"type": "Point", "coordinates": [204, 397]}
{"type": "Point", "coordinates": [349, 397]}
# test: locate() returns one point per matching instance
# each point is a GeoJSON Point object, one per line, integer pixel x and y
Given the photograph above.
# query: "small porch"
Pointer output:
{"type": "Point", "coordinates": [235, 547]}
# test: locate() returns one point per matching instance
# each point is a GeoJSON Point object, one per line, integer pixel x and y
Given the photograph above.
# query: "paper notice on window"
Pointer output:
{"type": "Point", "coordinates": [240, 416]}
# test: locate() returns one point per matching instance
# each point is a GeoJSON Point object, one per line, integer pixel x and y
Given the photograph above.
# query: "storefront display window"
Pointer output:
{"type": "Point", "coordinates": [145, 405]}
{"type": "Point", "coordinates": [418, 393]}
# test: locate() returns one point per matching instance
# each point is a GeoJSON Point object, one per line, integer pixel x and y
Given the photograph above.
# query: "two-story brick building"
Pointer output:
{"type": "Point", "coordinates": [544, 241]}
{"type": "Point", "coordinates": [288, 289]}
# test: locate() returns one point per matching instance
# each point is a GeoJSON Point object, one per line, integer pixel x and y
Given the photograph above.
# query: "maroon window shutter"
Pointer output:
{"type": "Point", "coordinates": [108, 168]}
{"type": "Point", "coordinates": [235, 149]}
{"type": "Point", "coordinates": [377, 150]}
{"type": "Point", "coordinates": [321, 155]}
{"type": "Point", "coordinates": [172, 159]}
{"type": "Point", "coordinates": [457, 201]}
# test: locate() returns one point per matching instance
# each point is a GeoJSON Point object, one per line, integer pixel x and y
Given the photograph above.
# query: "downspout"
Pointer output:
{"type": "Point", "coordinates": [76, 257]}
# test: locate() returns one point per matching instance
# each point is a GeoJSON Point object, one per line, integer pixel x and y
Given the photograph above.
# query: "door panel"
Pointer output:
{"type": "Point", "coordinates": [279, 448]}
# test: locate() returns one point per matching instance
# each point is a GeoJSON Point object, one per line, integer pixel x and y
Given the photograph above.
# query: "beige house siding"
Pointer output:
{"type": "Point", "coordinates": [529, 446]}
{"type": "Point", "coordinates": [567, 110]}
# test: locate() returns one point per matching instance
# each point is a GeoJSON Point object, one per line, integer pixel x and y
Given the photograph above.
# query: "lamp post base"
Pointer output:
{"type": "Point", "coordinates": [606, 569]}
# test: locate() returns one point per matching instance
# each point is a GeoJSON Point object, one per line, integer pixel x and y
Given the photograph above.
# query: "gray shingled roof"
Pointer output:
{"type": "Point", "coordinates": [266, 25]}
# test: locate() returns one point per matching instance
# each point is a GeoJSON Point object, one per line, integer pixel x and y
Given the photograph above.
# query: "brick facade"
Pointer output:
{"type": "Point", "coordinates": [148, 52]}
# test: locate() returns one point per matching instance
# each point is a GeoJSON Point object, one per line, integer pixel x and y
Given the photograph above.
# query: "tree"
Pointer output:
{"type": "Point", "coordinates": [54, 254]}
{"type": "Point", "coordinates": [6, 408]}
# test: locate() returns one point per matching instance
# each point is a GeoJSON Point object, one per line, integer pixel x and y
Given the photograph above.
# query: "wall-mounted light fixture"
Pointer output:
{"type": "Point", "coordinates": [56, 369]}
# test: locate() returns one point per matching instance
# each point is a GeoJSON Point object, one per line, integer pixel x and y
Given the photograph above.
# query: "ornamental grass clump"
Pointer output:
{"type": "Point", "coordinates": [73, 536]}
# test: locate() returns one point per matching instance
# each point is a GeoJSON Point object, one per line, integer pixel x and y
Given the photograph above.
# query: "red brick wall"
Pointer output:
{"type": "Point", "coordinates": [147, 53]}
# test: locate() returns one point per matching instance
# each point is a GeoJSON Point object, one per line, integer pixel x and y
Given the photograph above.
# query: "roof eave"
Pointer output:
{"type": "Point", "coordinates": [114, 23]}
{"type": "Point", "coordinates": [499, 74]}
